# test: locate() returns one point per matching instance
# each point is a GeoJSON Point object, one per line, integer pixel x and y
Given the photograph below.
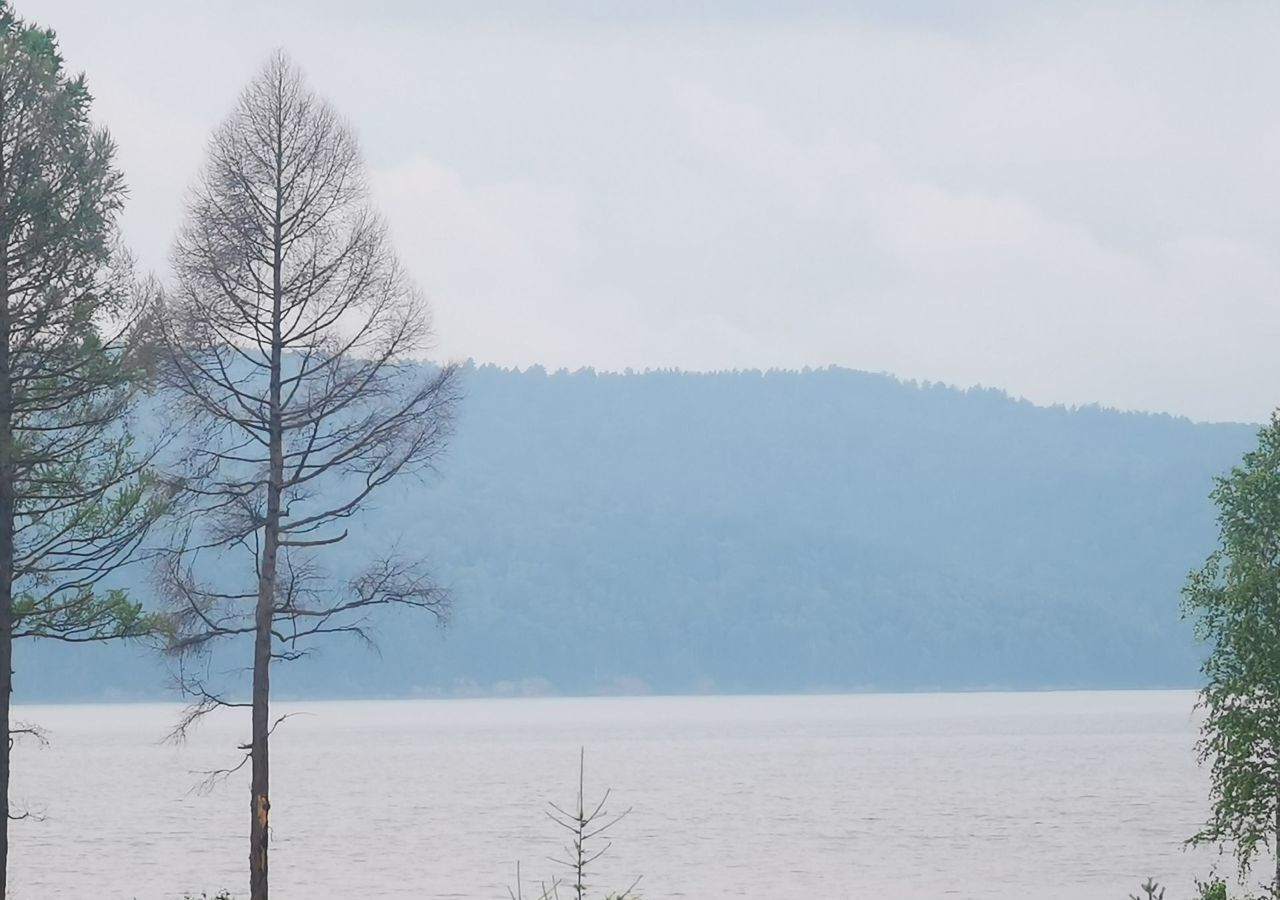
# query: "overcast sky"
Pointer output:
{"type": "Point", "coordinates": [1077, 203]}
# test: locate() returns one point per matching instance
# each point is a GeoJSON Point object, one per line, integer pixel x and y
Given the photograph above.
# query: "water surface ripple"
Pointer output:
{"type": "Point", "coordinates": [1076, 796]}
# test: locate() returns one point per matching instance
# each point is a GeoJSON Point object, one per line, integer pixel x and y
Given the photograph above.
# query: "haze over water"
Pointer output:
{"type": "Point", "coordinates": [1074, 796]}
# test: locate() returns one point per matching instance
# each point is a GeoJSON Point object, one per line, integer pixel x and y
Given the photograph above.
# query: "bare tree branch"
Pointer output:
{"type": "Point", "coordinates": [288, 344]}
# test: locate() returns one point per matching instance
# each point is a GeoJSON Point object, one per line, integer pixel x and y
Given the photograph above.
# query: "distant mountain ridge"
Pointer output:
{"type": "Point", "coordinates": [779, 531]}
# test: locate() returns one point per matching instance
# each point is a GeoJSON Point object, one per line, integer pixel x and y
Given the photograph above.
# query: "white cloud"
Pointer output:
{"type": "Point", "coordinates": [1074, 202]}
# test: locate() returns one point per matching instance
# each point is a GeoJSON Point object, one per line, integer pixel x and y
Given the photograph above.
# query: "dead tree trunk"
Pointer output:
{"type": "Point", "coordinates": [260, 788]}
{"type": "Point", "coordinates": [288, 340]}
{"type": "Point", "coordinates": [264, 615]}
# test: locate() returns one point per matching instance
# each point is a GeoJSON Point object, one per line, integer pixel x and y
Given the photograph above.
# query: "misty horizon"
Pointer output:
{"type": "Point", "coordinates": [1007, 197]}
{"type": "Point", "coordinates": [901, 379]}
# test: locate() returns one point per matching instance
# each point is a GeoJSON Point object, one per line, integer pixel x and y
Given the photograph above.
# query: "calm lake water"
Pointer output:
{"type": "Point", "coordinates": [908, 797]}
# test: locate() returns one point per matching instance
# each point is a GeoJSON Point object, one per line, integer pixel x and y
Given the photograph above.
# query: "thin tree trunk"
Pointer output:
{"type": "Point", "coordinates": [6, 689]}
{"type": "Point", "coordinates": [6, 651]}
{"type": "Point", "coordinates": [260, 789]}
{"type": "Point", "coordinates": [7, 505]}
{"type": "Point", "coordinates": [261, 803]}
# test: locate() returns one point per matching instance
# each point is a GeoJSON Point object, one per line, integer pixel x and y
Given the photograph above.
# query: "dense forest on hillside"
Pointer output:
{"type": "Point", "coordinates": [779, 531]}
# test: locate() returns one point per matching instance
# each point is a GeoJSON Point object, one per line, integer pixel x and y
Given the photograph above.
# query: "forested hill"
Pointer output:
{"type": "Point", "coordinates": [817, 530]}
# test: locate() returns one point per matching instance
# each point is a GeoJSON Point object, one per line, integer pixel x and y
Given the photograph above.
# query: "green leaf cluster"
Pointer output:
{"type": "Point", "coordinates": [82, 494]}
{"type": "Point", "coordinates": [1234, 601]}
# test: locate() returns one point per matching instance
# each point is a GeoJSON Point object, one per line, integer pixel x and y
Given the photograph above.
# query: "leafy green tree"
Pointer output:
{"type": "Point", "coordinates": [1234, 600]}
{"type": "Point", "coordinates": [75, 495]}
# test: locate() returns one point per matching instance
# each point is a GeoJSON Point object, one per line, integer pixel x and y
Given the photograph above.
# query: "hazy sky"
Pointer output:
{"type": "Point", "coordinates": [1076, 202]}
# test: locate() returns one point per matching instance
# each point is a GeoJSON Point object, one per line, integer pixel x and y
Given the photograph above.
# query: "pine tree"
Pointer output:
{"type": "Point", "coordinates": [76, 498]}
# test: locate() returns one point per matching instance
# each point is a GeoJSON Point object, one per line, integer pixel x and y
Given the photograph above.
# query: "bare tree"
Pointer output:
{"type": "Point", "coordinates": [76, 498]}
{"type": "Point", "coordinates": [290, 337]}
{"type": "Point", "coordinates": [588, 826]}
{"type": "Point", "coordinates": [1150, 891]}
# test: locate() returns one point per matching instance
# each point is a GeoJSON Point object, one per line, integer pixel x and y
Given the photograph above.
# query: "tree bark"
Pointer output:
{"type": "Point", "coordinates": [261, 782]}
{"type": "Point", "coordinates": [261, 803]}
{"type": "Point", "coordinates": [7, 507]}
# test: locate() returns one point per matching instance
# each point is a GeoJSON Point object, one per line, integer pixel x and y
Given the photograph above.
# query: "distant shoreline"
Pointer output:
{"type": "Point", "coordinates": [409, 698]}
